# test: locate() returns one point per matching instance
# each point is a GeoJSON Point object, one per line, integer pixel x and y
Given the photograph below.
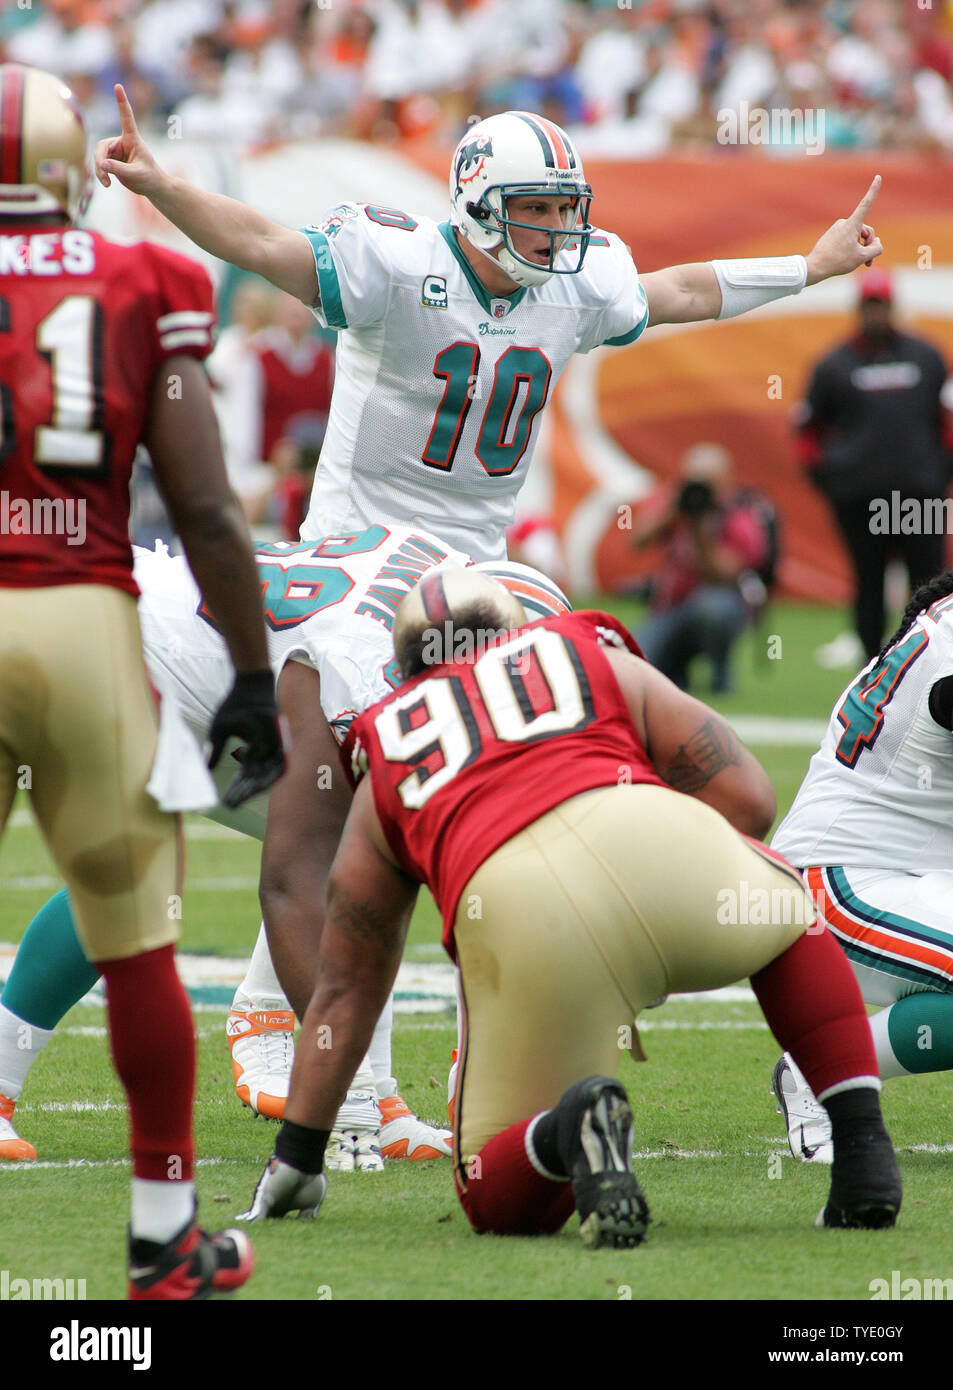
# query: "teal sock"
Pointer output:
{"type": "Point", "coordinates": [919, 1031]}
{"type": "Point", "coordinates": [50, 973]}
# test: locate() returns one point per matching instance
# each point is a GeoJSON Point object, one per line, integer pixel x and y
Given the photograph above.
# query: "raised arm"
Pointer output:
{"type": "Point", "coordinates": [703, 290]}
{"type": "Point", "coordinates": [222, 226]}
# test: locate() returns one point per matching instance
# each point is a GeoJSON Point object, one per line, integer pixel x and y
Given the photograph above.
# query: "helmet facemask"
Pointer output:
{"type": "Point", "coordinates": [490, 211]}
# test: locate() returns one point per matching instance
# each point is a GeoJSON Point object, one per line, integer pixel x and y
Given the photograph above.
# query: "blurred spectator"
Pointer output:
{"type": "Point", "coordinates": [534, 540]}
{"type": "Point", "coordinates": [66, 38]}
{"type": "Point", "coordinates": [707, 587]}
{"type": "Point", "coordinates": [252, 309]}
{"type": "Point", "coordinates": [629, 80]}
{"type": "Point", "coordinates": [875, 431]}
{"type": "Point", "coordinates": [281, 395]}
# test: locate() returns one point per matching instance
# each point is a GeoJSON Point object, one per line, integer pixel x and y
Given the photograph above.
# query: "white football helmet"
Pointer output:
{"type": "Point", "coordinates": [540, 596]}
{"type": "Point", "coordinates": [512, 155]}
{"type": "Point", "coordinates": [44, 164]}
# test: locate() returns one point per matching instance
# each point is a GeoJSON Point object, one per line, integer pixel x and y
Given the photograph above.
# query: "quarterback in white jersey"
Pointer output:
{"type": "Point", "coordinates": [452, 377]}
{"type": "Point", "coordinates": [452, 337]}
{"type": "Point", "coordinates": [872, 829]}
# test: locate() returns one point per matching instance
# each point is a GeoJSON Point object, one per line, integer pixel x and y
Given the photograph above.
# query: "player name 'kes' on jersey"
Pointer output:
{"type": "Point", "coordinates": [85, 326]}
{"type": "Point", "coordinates": [439, 384]}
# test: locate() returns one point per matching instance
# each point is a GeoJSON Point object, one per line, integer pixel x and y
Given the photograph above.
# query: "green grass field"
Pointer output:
{"type": "Point", "coordinates": [732, 1211]}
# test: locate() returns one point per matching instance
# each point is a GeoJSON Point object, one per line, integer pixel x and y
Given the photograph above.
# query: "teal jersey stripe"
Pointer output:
{"type": "Point", "coordinates": [907, 926]}
{"type": "Point", "coordinates": [327, 278]}
{"type": "Point", "coordinates": [903, 970]}
{"type": "Point", "coordinates": [476, 285]}
{"type": "Point", "coordinates": [631, 336]}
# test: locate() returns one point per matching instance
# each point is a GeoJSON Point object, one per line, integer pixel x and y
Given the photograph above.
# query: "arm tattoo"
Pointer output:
{"type": "Point", "coordinates": [712, 747]}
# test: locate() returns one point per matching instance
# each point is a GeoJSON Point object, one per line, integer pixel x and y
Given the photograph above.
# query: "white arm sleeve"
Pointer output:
{"type": "Point", "coordinates": [747, 284]}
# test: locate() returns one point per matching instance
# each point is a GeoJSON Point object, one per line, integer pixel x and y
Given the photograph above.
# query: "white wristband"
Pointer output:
{"type": "Point", "coordinates": [746, 284]}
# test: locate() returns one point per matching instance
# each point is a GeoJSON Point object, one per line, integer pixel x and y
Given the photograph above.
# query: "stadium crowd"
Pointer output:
{"type": "Point", "coordinates": [627, 77]}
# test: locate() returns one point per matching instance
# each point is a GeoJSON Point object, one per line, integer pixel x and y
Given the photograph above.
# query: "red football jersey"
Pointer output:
{"type": "Point", "coordinates": [297, 380]}
{"type": "Point", "coordinates": [466, 755]}
{"type": "Point", "coordinates": [85, 326]}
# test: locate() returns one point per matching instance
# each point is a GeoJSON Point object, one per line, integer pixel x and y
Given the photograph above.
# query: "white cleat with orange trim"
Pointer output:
{"type": "Point", "coordinates": [261, 1040]}
{"type": "Point", "coordinates": [12, 1148]}
{"type": "Point", "coordinates": [402, 1134]}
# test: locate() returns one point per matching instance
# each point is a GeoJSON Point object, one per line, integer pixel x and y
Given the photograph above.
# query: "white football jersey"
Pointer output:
{"type": "Point", "coordinates": [879, 792]}
{"type": "Point", "coordinates": [439, 384]}
{"type": "Point", "coordinates": [330, 603]}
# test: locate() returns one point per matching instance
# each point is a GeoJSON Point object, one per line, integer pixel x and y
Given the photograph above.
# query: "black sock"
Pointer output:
{"type": "Point", "coordinates": [852, 1112]}
{"type": "Point", "coordinates": [301, 1147]}
{"type": "Point", "coordinates": [545, 1143]}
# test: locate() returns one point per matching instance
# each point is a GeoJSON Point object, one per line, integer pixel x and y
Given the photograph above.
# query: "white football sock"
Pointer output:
{"type": "Point", "coordinates": [260, 980]}
{"type": "Point", "coordinates": [886, 1057]}
{"type": "Point", "coordinates": [160, 1209]}
{"type": "Point", "coordinates": [20, 1045]}
{"type": "Point", "coordinates": [364, 1077]}
{"type": "Point", "coordinates": [379, 1053]}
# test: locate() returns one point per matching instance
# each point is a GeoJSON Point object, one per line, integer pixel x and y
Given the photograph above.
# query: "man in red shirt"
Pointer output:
{"type": "Point", "coordinates": [101, 348]}
{"type": "Point", "coordinates": [706, 587]}
{"type": "Point", "coordinates": [544, 781]}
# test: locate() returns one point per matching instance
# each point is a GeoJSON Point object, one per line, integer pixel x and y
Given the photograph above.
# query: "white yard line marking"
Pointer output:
{"type": "Point", "coordinates": [78, 1164]}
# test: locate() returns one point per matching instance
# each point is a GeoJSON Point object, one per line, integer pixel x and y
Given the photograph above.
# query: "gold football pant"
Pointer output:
{"type": "Point", "coordinates": [610, 901]}
{"type": "Point", "coordinates": [78, 728]}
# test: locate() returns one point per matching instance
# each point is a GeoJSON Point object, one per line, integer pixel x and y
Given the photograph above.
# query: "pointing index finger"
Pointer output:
{"type": "Point", "coordinates": [867, 201]}
{"type": "Point", "coordinates": [126, 117]}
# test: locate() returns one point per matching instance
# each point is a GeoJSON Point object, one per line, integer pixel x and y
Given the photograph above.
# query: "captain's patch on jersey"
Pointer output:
{"type": "Point", "coordinates": [433, 292]}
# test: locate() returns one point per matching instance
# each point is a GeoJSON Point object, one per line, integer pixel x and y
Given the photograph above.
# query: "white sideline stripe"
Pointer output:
{"type": "Point", "coordinates": [779, 731]}
{"type": "Point", "coordinates": [22, 819]}
{"type": "Point", "coordinates": [238, 883]}
{"type": "Point", "coordinates": [427, 986]}
{"type": "Point", "coordinates": [81, 1163]}
{"type": "Point", "coordinates": [640, 1155]}
{"type": "Point", "coordinates": [101, 1031]}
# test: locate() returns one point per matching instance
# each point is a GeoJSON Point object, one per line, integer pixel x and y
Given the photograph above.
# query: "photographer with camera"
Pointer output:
{"type": "Point", "coordinates": [710, 582]}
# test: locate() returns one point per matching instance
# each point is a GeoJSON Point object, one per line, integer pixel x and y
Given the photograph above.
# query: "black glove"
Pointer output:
{"type": "Point", "coordinates": [249, 712]}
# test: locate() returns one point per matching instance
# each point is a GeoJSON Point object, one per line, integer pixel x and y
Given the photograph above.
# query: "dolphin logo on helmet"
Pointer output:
{"type": "Point", "coordinates": [469, 159]}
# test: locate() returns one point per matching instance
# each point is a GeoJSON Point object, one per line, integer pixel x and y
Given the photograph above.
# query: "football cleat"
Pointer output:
{"type": "Point", "coordinates": [354, 1151]}
{"type": "Point", "coordinates": [866, 1190]}
{"type": "Point", "coordinates": [402, 1134]}
{"type": "Point", "coordinates": [595, 1134]}
{"type": "Point", "coordinates": [808, 1124]}
{"type": "Point", "coordinates": [12, 1147]}
{"type": "Point", "coordinates": [262, 1046]}
{"type": "Point", "coordinates": [192, 1265]}
{"type": "Point", "coordinates": [282, 1188]}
